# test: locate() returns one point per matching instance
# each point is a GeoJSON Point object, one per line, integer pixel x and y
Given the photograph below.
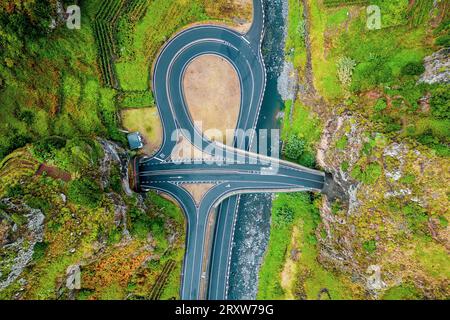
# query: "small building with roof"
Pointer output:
{"type": "Point", "coordinates": [135, 141]}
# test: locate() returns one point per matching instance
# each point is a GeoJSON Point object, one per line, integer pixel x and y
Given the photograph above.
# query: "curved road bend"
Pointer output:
{"type": "Point", "coordinates": [159, 173]}
{"type": "Point", "coordinates": [245, 55]}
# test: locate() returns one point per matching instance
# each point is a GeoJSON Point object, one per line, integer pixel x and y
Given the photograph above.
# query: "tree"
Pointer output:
{"type": "Point", "coordinates": [294, 147]}
{"type": "Point", "coordinates": [283, 216]}
{"type": "Point", "coordinates": [45, 149]}
{"type": "Point", "coordinates": [413, 69]}
{"type": "Point", "coordinates": [440, 102]}
{"type": "Point", "coordinates": [443, 41]}
{"type": "Point", "coordinates": [85, 192]}
{"type": "Point", "coordinates": [22, 22]}
{"type": "Point", "coordinates": [27, 116]}
{"type": "Point", "coordinates": [380, 105]}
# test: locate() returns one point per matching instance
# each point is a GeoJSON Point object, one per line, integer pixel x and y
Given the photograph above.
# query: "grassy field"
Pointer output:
{"type": "Point", "coordinates": [292, 257]}
{"type": "Point", "coordinates": [147, 122]}
{"type": "Point", "coordinates": [295, 41]}
{"type": "Point", "coordinates": [396, 42]}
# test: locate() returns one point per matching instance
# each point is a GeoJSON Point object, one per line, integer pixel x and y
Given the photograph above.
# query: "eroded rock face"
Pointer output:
{"type": "Point", "coordinates": [288, 82]}
{"type": "Point", "coordinates": [437, 67]}
{"type": "Point", "coordinates": [18, 241]}
{"type": "Point", "coordinates": [383, 213]}
{"type": "Point", "coordinates": [114, 155]}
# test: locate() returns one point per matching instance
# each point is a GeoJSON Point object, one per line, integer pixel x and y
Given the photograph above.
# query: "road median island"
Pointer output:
{"type": "Point", "coordinates": [213, 94]}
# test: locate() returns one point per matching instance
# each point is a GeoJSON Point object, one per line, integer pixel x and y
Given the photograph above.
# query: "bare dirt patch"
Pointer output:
{"type": "Point", "coordinates": [148, 123]}
{"type": "Point", "coordinates": [213, 95]}
{"type": "Point", "coordinates": [289, 270]}
{"type": "Point", "coordinates": [198, 190]}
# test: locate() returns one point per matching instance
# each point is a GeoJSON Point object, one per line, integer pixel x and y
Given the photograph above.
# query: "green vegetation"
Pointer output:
{"type": "Point", "coordinates": [370, 246]}
{"type": "Point", "coordinates": [311, 276]}
{"type": "Point", "coordinates": [85, 192]}
{"type": "Point", "coordinates": [295, 40]}
{"type": "Point", "coordinates": [333, 3]}
{"type": "Point", "coordinates": [440, 103]}
{"type": "Point", "coordinates": [413, 69]}
{"type": "Point", "coordinates": [301, 134]}
{"type": "Point", "coordinates": [369, 174]}
{"type": "Point", "coordinates": [105, 18]}
{"type": "Point", "coordinates": [60, 89]}
{"type": "Point", "coordinates": [139, 99]}
{"type": "Point", "coordinates": [294, 148]}
{"type": "Point", "coordinates": [341, 144]}
{"type": "Point", "coordinates": [416, 218]}
{"type": "Point", "coordinates": [389, 64]}
{"type": "Point", "coordinates": [50, 84]}
{"type": "Point", "coordinates": [405, 291]}
{"type": "Point", "coordinates": [345, 67]}
{"type": "Point", "coordinates": [71, 155]}
{"type": "Point", "coordinates": [373, 104]}
{"type": "Point", "coordinates": [75, 226]}
{"type": "Point", "coordinates": [162, 19]}
{"type": "Point", "coordinates": [40, 249]}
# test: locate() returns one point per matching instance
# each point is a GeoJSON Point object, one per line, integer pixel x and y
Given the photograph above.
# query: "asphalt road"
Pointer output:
{"type": "Point", "coordinates": [253, 174]}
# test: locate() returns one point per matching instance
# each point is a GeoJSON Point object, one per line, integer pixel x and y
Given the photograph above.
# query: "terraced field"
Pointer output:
{"type": "Point", "coordinates": [158, 288]}
{"type": "Point", "coordinates": [336, 3]}
{"type": "Point", "coordinates": [18, 164]}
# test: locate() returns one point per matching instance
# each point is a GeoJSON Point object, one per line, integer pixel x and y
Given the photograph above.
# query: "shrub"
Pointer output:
{"type": "Point", "coordinates": [345, 67]}
{"type": "Point", "coordinates": [341, 144]}
{"type": "Point", "coordinates": [368, 147]}
{"type": "Point", "coordinates": [370, 246]}
{"type": "Point", "coordinates": [413, 69]}
{"type": "Point", "coordinates": [141, 223]}
{"type": "Point", "coordinates": [443, 41]}
{"type": "Point", "coordinates": [294, 147]}
{"type": "Point", "coordinates": [38, 203]}
{"type": "Point", "coordinates": [372, 73]}
{"type": "Point", "coordinates": [114, 236]}
{"type": "Point", "coordinates": [14, 191]}
{"type": "Point", "coordinates": [440, 102]}
{"type": "Point", "coordinates": [416, 217]}
{"type": "Point", "coordinates": [380, 105]}
{"type": "Point", "coordinates": [283, 216]}
{"type": "Point", "coordinates": [45, 149]}
{"type": "Point", "coordinates": [27, 116]}
{"type": "Point", "coordinates": [39, 250]}
{"type": "Point", "coordinates": [85, 192]}
{"type": "Point", "coordinates": [308, 159]}
{"type": "Point", "coordinates": [368, 176]}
